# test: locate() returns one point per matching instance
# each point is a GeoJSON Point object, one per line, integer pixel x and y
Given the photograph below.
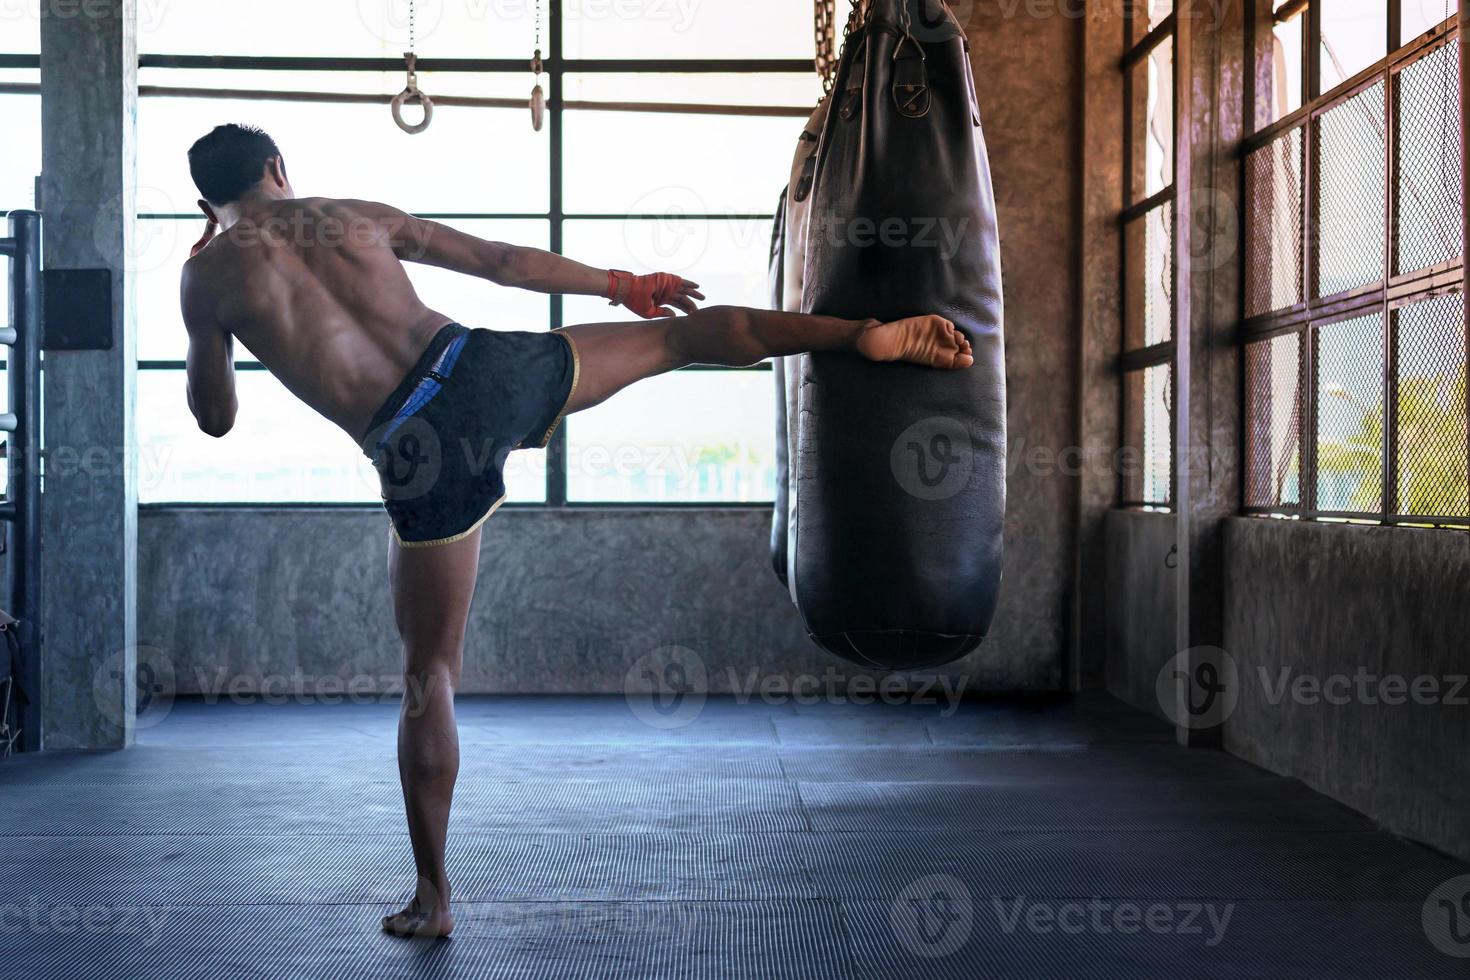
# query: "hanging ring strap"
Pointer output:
{"type": "Point", "coordinates": [412, 96]}
{"type": "Point", "coordinates": [538, 95]}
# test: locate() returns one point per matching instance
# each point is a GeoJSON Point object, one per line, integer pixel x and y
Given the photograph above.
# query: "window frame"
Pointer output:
{"type": "Point", "coordinates": [1136, 360]}
{"type": "Point", "coordinates": [1386, 296]}
{"type": "Point", "coordinates": [555, 69]}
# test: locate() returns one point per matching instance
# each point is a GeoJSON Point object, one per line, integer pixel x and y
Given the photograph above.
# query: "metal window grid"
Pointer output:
{"type": "Point", "coordinates": [1399, 454]}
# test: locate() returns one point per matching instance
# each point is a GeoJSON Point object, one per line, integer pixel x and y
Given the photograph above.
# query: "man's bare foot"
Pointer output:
{"type": "Point", "coordinates": [425, 917]}
{"type": "Point", "coordinates": [931, 341]}
{"type": "Point", "coordinates": [415, 923]}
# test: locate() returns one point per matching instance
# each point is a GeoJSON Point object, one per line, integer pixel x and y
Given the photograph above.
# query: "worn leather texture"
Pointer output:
{"type": "Point", "coordinates": [898, 470]}
{"type": "Point", "coordinates": [778, 371]}
{"type": "Point", "coordinates": [786, 283]}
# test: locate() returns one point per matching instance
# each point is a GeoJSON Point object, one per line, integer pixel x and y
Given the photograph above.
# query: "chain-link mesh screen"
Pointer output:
{"type": "Point", "coordinates": [1433, 473]}
{"type": "Point", "coordinates": [1350, 433]}
{"type": "Point", "coordinates": [1149, 289]}
{"type": "Point", "coordinates": [1273, 403]}
{"type": "Point", "coordinates": [1273, 187]}
{"type": "Point", "coordinates": [1352, 189]}
{"type": "Point", "coordinates": [1430, 199]}
{"type": "Point", "coordinates": [1148, 420]}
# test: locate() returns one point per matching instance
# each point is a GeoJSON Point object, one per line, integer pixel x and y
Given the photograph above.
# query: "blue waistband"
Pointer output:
{"type": "Point", "coordinates": [430, 383]}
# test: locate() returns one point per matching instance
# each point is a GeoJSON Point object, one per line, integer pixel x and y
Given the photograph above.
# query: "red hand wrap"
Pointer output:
{"type": "Point", "coordinates": [644, 295]}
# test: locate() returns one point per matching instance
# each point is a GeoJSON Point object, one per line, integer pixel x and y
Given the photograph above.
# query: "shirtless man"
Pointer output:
{"type": "Point", "coordinates": [315, 288]}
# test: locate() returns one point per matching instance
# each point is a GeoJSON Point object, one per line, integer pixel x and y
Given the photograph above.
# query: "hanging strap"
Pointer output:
{"type": "Point", "coordinates": [910, 90]}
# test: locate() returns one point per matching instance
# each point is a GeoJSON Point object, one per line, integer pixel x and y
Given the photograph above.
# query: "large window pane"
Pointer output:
{"type": "Point", "coordinates": [1354, 35]}
{"type": "Point", "coordinates": [1148, 436]}
{"type": "Point", "coordinates": [1273, 401]}
{"type": "Point", "coordinates": [1420, 15]}
{"type": "Point", "coordinates": [713, 88]}
{"type": "Point", "coordinates": [1350, 415]}
{"type": "Point", "coordinates": [20, 27]}
{"type": "Point", "coordinates": [1273, 225]}
{"type": "Point", "coordinates": [729, 258]}
{"type": "Point", "coordinates": [163, 245]}
{"type": "Point", "coordinates": [1430, 196]}
{"type": "Point", "coordinates": [1432, 473]}
{"type": "Point", "coordinates": [1283, 93]}
{"type": "Point", "coordinates": [468, 160]}
{"type": "Point", "coordinates": [701, 164]}
{"type": "Point", "coordinates": [1152, 140]}
{"type": "Point", "coordinates": [20, 147]}
{"type": "Point", "coordinates": [712, 29]}
{"type": "Point", "coordinates": [693, 436]}
{"type": "Point", "coordinates": [1351, 193]}
{"type": "Point", "coordinates": [279, 452]}
{"type": "Point", "coordinates": [1148, 296]}
{"type": "Point", "coordinates": [329, 28]}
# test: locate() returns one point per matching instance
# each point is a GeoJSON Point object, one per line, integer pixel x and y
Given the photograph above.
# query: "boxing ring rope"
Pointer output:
{"type": "Point", "coordinates": [21, 506]}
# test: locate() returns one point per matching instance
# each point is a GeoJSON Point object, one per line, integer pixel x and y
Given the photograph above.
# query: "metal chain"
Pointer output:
{"type": "Point", "coordinates": [413, 28]}
{"type": "Point", "coordinates": [826, 30]}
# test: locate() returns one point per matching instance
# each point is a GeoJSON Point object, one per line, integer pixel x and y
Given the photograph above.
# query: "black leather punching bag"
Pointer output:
{"type": "Point", "coordinates": [788, 272]}
{"type": "Point", "coordinates": [783, 464]}
{"type": "Point", "coordinates": [900, 470]}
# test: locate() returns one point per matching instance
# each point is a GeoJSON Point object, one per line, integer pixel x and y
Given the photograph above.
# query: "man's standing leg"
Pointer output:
{"type": "Point", "coordinates": [432, 591]}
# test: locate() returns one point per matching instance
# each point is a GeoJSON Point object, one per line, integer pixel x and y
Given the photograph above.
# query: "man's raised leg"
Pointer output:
{"type": "Point", "coordinates": [432, 591]}
{"type": "Point", "coordinates": [615, 355]}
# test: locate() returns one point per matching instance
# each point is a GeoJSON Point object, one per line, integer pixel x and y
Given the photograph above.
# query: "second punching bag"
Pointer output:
{"type": "Point", "coordinates": [899, 471]}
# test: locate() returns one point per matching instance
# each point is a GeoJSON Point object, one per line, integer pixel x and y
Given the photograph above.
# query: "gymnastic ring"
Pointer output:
{"type": "Point", "coordinates": [421, 99]}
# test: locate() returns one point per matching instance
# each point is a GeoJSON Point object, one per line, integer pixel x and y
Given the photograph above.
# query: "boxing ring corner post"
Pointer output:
{"type": "Point", "coordinates": [20, 508]}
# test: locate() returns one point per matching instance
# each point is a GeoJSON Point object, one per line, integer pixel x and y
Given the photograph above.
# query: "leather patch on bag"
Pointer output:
{"type": "Point", "coordinates": [911, 93]}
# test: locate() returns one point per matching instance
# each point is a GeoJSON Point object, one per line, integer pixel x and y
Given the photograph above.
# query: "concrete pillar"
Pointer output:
{"type": "Point", "coordinates": [1100, 334]}
{"type": "Point", "coordinates": [1210, 92]}
{"type": "Point", "coordinates": [89, 94]}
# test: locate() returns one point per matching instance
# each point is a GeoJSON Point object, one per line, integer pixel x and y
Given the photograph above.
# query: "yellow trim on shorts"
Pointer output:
{"type": "Point", "coordinates": [449, 540]}
{"type": "Point", "coordinates": [576, 376]}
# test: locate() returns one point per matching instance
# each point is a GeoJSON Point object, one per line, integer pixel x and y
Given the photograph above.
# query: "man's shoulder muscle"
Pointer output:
{"type": "Point", "coordinates": [195, 292]}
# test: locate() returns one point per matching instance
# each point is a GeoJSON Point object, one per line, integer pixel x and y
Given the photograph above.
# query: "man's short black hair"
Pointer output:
{"type": "Point", "coordinates": [229, 161]}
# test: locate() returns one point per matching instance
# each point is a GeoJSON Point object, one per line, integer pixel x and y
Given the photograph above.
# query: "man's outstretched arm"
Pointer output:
{"type": "Point", "coordinates": [431, 243]}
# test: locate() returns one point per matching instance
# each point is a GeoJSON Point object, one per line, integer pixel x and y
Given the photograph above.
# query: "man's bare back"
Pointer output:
{"type": "Point", "coordinates": [315, 289]}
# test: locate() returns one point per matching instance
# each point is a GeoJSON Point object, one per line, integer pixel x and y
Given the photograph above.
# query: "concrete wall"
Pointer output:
{"type": "Point", "coordinates": [1323, 601]}
{"type": "Point", "coordinates": [1027, 77]}
{"type": "Point", "coordinates": [1352, 608]}
{"type": "Point", "coordinates": [1139, 591]}
{"type": "Point", "coordinates": [568, 601]}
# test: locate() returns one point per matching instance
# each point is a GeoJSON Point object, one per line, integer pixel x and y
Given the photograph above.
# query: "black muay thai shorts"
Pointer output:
{"type": "Point", "coordinates": [440, 441]}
